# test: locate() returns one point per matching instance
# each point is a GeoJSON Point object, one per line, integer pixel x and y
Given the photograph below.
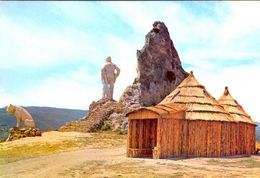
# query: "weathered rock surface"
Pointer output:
{"type": "Point", "coordinates": [103, 114]}
{"type": "Point", "coordinates": [159, 70]}
{"type": "Point", "coordinates": [17, 133]}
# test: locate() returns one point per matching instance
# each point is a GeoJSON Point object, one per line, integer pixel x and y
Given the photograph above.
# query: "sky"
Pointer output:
{"type": "Point", "coordinates": [51, 53]}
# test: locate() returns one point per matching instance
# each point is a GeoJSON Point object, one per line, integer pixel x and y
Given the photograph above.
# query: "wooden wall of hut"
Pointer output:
{"type": "Point", "coordinates": [141, 137]}
{"type": "Point", "coordinates": [179, 137]}
{"type": "Point", "coordinates": [172, 138]}
{"type": "Point", "coordinates": [190, 138]}
{"type": "Point", "coordinates": [246, 138]}
{"type": "Point", "coordinates": [233, 138]}
{"type": "Point", "coordinates": [196, 138]}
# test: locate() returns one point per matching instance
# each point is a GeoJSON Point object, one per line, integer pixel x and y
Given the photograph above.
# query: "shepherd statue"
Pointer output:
{"type": "Point", "coordinates": [109, 73]}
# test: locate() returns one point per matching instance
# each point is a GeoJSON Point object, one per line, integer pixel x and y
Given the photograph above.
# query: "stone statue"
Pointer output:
{"type": "Point", "coordinates": [109, 73]}
{"type": "Point", "coordinates": [21, 115]}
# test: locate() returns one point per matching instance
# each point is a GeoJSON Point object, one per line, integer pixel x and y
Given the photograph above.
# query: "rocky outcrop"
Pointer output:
{"type": "Point", "coordinates": [17, 133]}
{"type": "Point", "coordinates": [159, 70]}
{"type": "Point", "coordinates": [103, 114]}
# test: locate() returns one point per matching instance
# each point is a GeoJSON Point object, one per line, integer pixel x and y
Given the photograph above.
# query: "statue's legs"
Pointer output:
{"type": "Point", "coordinates": [29, 123]}
{"type": "Point", "coordinates": [105, 93]}
{"type": "Point", "coordinates": [111, 91]}
{"type": "Point", "coordinates": [111, 82]}
{"type": "Point", "coordinates": [18, 123]}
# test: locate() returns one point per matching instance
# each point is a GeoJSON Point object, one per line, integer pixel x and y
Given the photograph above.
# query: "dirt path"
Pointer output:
{"type": "Point", "coordinates": [53, 165]}
{"type": "Point", "coordinates": [111, 161]}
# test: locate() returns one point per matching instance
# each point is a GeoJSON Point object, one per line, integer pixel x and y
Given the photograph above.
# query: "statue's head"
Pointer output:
{"type": "Point", "coordinates": [10, 109]}
{"type": "Point", "coordinates": [108, 59]}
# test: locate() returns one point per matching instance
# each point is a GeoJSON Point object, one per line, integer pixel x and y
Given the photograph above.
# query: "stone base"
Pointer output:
{"type": "Point", "coordinates": [17, 133]}
{"type": "Point", "coordinates": [103, 115]}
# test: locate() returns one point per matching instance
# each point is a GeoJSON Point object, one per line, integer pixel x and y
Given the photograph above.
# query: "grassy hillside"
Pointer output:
{"type": "Point", "coordinates": [6, 121]}
{"type": "Point", "coordinates": [46, 118]}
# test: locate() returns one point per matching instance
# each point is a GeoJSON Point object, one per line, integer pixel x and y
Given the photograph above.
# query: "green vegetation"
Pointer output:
{"type": "Point", "coordinates": [100, 140]}
{"type": "Point", "coordinates": [106, 127]}
{"type": "Point", "coordinates": [250, 163]}
{"type": "Point", "coordinates": [30, 151]}
{"type": "Point", "coordinates": [3, 132]}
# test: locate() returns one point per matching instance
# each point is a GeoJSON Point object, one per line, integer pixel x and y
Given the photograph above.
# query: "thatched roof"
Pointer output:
{"type": "Point", "coordinates": [198, 103]}
{"type": "Point", "coordinates": [234, 108]}
{"type": "Point", "coordinates": [158, 110]}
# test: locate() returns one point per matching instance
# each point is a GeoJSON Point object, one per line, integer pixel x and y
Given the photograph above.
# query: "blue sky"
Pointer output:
{"type": "Point", "coordinates": [52, 52]}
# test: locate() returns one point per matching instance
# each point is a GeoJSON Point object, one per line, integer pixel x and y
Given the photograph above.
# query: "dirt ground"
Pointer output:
{"type": "Point", "coordinates": [103, 154]}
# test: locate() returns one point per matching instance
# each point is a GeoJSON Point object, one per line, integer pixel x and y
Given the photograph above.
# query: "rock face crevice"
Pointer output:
{"type": "Point", "coordinates": [159, 70]}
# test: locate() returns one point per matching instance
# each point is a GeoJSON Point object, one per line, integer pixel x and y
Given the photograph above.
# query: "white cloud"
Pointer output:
{"type": "Point", "coordinates": [34, 46]}
{"type": "Point", "coordinates": [242, 18]}
{"type": "Point", "coordinates": [224, 35]}
{"type": "Point", "coordinates": [135, 14]}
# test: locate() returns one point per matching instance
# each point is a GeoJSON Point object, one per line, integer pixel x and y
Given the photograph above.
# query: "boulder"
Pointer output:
{"type": "Point", "coordinates": [17, 133]}
{"type": "Point", "coordinates": [159, 70]}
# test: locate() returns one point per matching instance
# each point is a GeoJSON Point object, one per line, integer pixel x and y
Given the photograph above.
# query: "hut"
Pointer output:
{"type": "Point", "coordinates": [189, 122]}
{"type": "Point", "coordinates": [245, 127]}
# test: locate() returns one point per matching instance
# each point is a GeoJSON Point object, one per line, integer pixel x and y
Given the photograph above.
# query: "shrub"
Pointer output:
{"type": "Point", "coordinates": [106, 127]}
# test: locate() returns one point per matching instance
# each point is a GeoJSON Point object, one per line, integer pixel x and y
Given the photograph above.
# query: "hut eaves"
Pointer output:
{"type": "Point", "coordinates": [157, 111]}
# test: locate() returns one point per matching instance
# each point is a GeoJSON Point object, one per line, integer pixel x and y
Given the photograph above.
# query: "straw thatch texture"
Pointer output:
{"type": "Point", "coordinates": [234, 108]}
{"type": "Point", "coordinates": [154, 111]}
{"type": "Point", "coordinates": [198, 103]}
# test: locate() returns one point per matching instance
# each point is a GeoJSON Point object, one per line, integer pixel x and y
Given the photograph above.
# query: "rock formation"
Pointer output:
{"type": "Point", "coordinates": [102, 114]}
{"type": "Point", "coordinates": [159, 70]}
{"type": "Point", "coordinates": [17, 133]}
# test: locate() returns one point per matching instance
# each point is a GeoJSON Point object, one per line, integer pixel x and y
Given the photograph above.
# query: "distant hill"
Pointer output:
{"type": "Point", "coordinates": [258, 126]}
{"type": "Point", "coordinates": [258, 131]}
{"type": "Point", "coordinates": [46, 118]}
{"type": "Point", "coordinates": [258, 135]}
